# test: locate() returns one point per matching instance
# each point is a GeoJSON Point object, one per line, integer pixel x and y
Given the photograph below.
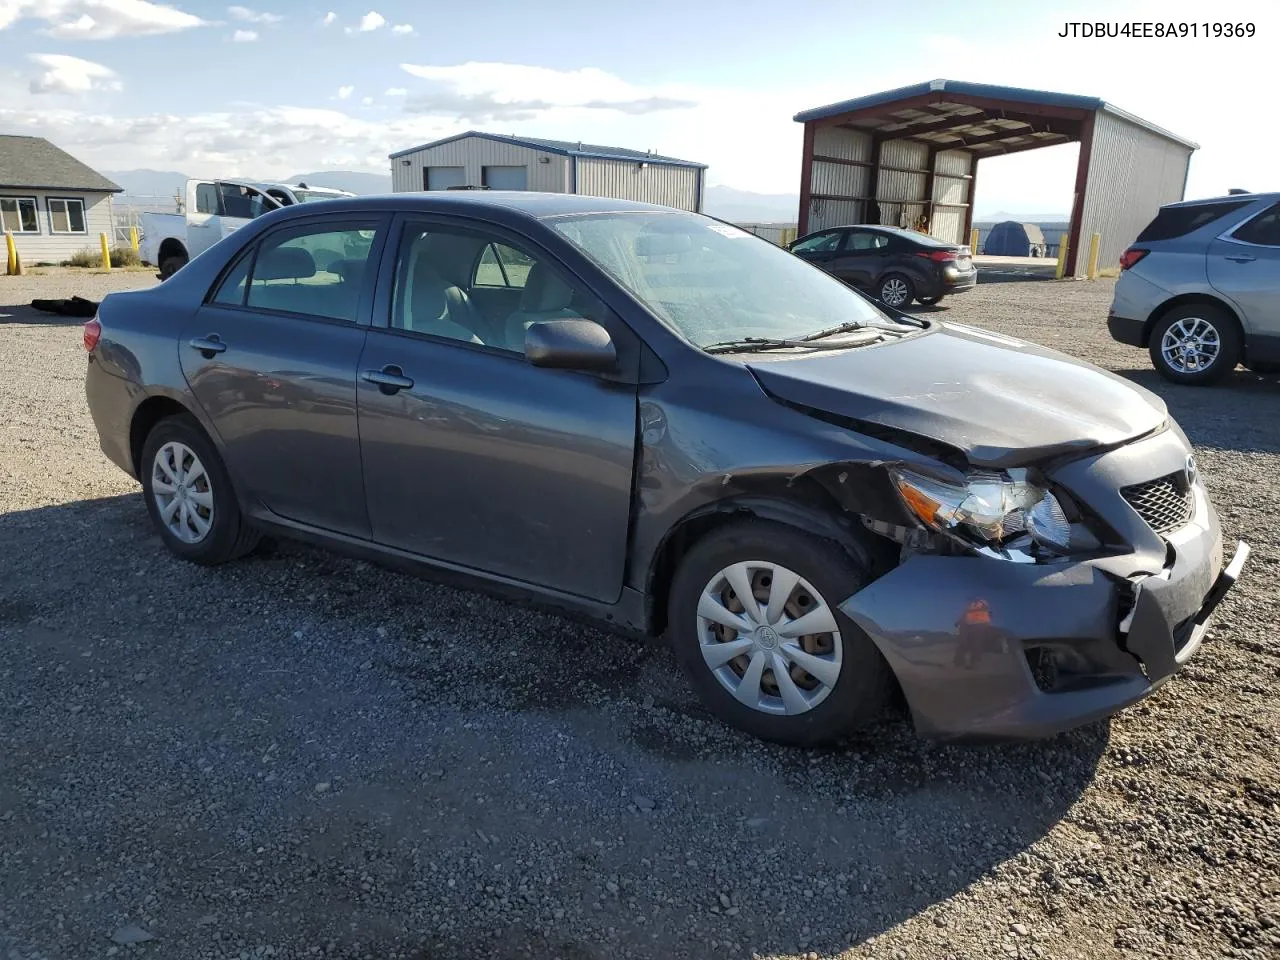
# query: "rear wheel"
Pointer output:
{"type": "Point", "coordinates": [189, 495]}
{"type": "Point", "coordinates": [896, 290]}
{"type": "Point", "coordinates": [755, 626]}
{"type": "Point", "coordinates": [171, 265]}
{"type": "Point", "coordinates": [1195, 344]}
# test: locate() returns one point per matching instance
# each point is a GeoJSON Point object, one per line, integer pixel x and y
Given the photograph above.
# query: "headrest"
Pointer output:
{"type": "Point", "coordinates": [284, 263]}
{"type": "Point", "coordinates": [428, 293]}
{"type": "Point", "coordinates": [349, 269]}
{"type": "Point", "coordinates": [544, 291]}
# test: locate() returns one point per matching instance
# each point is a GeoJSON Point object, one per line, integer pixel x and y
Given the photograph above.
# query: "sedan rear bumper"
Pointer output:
{"type": "Point", "coordinates": [984, 648]}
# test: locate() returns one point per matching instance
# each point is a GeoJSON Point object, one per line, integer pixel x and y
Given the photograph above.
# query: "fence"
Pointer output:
{"type": "Point", "coordinates": [779, 233]}
{"type": "Point", "coordinates": [127, 211]}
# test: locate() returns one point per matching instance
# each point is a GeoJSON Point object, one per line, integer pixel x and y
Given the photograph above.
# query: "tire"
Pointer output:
{"type": "Point", "coordinates": [895, 290]}
{"type": "Point", "coordinates": [1208, 326]}
{"type": "Point", "coordinates": [863, 682]}
{"type": "Point", "coordinates": [171, 265]}
{"type": "Point", "coordinates": [929, 301]}
{"type": "Point", "coordinates": [229, 534]}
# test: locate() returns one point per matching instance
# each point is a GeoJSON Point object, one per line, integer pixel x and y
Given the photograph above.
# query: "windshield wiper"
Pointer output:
{"type": "Point", "coordinates": [845, 327]}
{"type": "Point", "coordinates": [755, 345]}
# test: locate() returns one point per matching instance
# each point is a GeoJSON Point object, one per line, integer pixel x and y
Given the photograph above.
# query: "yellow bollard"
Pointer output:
{"type": "Point", "coordinates": [973, 241]}
{"type": "Point", "coordinates": [1094, 243]}
{"type": "Point", "coordinates": [11, 265]}
{"type": "Point", "coordinates": [106, 252]}
{"type": "Point", "coordinates": [1062, 258]}
{"type": "Point", "coordinates": [133, 238]}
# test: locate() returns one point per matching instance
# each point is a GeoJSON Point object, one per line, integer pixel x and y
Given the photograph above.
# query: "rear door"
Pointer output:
{"type": "Point", "coordinates": [204, 227]}
{"type": "Point", "coordinates": [1244, 265]}
{"type": "Point", "coordinates": [272, 356]}
{"type": "Point", "coordinates": [861, 258]}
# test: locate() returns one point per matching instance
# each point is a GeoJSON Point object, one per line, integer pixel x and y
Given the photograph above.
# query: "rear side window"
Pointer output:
{"type": "Point", "coordinates": [1179, 221]}
{"type": "Point", "coordinates": [1264, 229]}
{"type": "Point", "coordinates": [231, 290]}
{"type": "Point", "coordinates": [316, 270]}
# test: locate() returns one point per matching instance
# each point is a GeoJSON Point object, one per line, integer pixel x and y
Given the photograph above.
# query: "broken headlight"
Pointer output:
{"type": "Point", "coordinates": [991, 512]}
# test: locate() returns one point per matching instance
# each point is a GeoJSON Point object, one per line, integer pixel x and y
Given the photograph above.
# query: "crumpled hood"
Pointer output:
{"type": "Point", "coordinates": [1003, 402]}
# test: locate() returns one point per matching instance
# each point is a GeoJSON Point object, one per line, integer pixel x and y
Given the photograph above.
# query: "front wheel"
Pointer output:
{"type": "Point", "coordinates": [896, 290]}
{"type": "Point", "coordinates": [1196, 344]}
{"type": "Point", "coordinates": [755, 624]}
{"type": "Point", "coordinates": [189, 495]}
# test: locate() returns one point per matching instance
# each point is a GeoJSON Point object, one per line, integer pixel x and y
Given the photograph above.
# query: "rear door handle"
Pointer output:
{"type": "Point", "coordinates": [1242, 259]}
{"type": "Point", "coordinates": [390, 379]}
{"type": "Point", "coordinates": [208, 346]}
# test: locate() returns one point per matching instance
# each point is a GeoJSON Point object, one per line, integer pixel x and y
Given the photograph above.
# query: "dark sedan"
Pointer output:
{"type": "Point", "coordinates": [664, 423]}
{"type": "Point", "coordinates": [894, 266]}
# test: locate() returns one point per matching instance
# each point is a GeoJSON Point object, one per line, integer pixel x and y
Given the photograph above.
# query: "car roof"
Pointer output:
{"type": "Point", "coordinates": [1234, 197]}
{"type": "Point", "coordinates": [532, 204]}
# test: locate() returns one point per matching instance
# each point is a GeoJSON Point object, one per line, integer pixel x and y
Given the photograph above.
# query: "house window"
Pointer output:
{"type": "Point", "coordinates": [66, 216]}
{"type": "Point", "coordinates": [18, 215]}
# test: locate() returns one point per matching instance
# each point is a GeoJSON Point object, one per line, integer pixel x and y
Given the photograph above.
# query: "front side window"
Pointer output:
{"type": "Point", "coordinates": [243, 203]}
{"type": "Point", "coordinates": [1264, 229]}
{"type": "Point", "coordinates": [822, 243]}
{"type": "Point", "coordinates": [317, 271]}
{"type": "Point", "coordinates": [712, 282]}
{"type": "Point", "coordinates": [465, 286]}
{"type": "Point", "coordinates": [66, 216]}
{"type": "Point", "coordinates": [18, 215]}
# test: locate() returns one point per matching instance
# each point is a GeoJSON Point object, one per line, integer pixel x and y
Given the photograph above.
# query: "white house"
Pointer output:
{"type": "Point", "coordinates": [52, 204]}
{"type": "Point", "coordinates": [495, 162]}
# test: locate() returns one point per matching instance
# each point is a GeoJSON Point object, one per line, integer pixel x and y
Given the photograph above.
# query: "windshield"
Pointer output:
{"type": "Point", "coordinates": [713, 282]}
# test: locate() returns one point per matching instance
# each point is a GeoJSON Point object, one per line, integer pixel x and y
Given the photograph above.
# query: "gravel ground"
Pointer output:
{"type": "Point", "coordinates": [300, 755]}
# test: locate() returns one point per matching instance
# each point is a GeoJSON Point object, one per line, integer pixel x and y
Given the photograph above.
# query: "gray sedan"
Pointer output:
{"type": "Point", "coordinates": [659, 421]}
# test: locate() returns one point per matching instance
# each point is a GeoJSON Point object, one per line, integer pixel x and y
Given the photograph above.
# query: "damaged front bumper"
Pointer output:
{"type": "Point", "coordinates": [987, 648]}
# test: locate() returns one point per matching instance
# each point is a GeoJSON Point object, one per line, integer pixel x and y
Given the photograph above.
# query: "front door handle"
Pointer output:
{"type": "Point", "coordinates": [208, 346]}
{"type": "Point", "coordinates": [1242, 258]}
{"type": "Point", "coordinates": [390, 379]}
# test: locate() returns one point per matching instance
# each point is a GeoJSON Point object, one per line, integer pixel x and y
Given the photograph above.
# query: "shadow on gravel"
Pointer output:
{"type": "Point", "coordinates": [1230, 415]}
{"type": "Point", "coordinates": [24, 314]}
{"type": "Point", "coordinates": [434, 773]}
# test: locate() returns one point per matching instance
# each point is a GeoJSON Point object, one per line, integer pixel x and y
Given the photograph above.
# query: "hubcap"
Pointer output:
{"type": "Point", "coordinates": [893, 292]}
{"type": "Point", "coordinates": [181, 490]}
{"type": "Point", "coordinates": [1191, 345]}
{"type": "Point", "coordinates": [769, 637]}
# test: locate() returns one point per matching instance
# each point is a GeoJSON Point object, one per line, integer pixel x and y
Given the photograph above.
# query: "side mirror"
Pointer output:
{"type": "Point", "coordinates": [570, 345]}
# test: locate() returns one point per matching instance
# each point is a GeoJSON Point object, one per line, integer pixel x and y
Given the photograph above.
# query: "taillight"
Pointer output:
{"type": "Point", "coordinates": [1132, 256]}
{"type": "Point", "coordinates": [92, 333]}
{"type": "Point", "coordinates": [939, 255]}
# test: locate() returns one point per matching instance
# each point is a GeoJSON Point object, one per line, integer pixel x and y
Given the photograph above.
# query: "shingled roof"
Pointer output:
{"type": "Point", "coordinates": [33, 163]}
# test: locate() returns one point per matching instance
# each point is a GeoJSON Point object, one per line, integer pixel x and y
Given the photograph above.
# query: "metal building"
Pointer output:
{"type": "Point", "coordinates": [478, 160]}
{"type": "Point", "coordinates": [909, 157]}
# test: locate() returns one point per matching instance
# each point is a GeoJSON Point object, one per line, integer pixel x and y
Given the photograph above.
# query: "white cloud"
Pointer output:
{"type": "Point", "coordinates": [253, 16]}
{"type": "Point", "coordinates": [367, 101]}
{"type": "Point", "coordinates": [329, 18]}
{"type": "Point", "coordinates": [99, 19]}
{"type": "Point", "coordinates": [244, 36]}
{"type": "Point", "coordinates": [344, 93]}
{"type": "Point", "coordinates": [369, 22]}
{"type": "Point", "coordinates": [395, 92]}
{"type": "Point", "coordinates": [402, 28]}
{"type": "Point", "coordinates": [63, 74]}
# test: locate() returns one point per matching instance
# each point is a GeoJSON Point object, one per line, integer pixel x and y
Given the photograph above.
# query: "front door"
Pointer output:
{"type": "Point", "coordinates": [861, 258]}
{"type": "Point", "coordinates": [1245, 266]}
{"type": "Point", "coordinates": [272, 360]}
{"type": "Point", "coordinates": [472, 455]}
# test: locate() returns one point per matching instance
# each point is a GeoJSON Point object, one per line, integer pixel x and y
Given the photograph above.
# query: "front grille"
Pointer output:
{"type": "Point", "coordinates": [1165, 503]}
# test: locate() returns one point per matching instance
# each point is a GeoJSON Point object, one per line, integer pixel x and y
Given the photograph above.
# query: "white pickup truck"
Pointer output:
{"type": "Point", "coordinates": [212, 210]}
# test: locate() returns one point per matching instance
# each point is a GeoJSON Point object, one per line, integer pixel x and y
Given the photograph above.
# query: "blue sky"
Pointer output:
{"type": "Point", "coordinates": [271, 89]}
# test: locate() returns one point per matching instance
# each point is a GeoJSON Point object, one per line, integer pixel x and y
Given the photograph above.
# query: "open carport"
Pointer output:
{"type": "Point", "coordinates": [909, 157]}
